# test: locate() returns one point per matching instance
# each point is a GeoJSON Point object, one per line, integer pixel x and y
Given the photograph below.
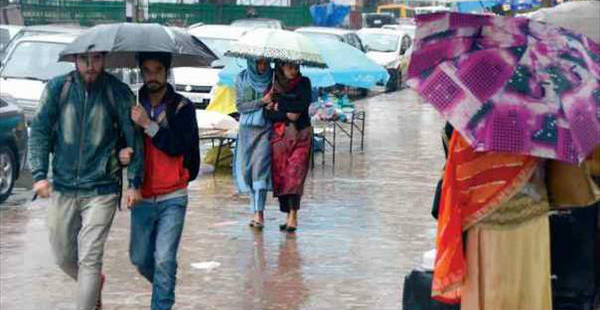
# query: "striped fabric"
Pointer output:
{"type": "Point", "coordinates": [475, 185]}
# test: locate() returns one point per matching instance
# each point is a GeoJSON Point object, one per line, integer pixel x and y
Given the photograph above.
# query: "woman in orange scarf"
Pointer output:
{"type": "Point", "coordinates": [499, 202]}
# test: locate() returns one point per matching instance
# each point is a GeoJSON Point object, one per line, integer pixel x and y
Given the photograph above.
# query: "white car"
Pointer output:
{"type": "Point", "coordinates": [390, 49]}
{"type": "Point", "coordinates": [30, 62]}
{"type": "Point", "coordinates": [196, 83]}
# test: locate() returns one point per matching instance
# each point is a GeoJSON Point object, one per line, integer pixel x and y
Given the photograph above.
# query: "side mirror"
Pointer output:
{"type": "Point", "coordinates": [217, 64]}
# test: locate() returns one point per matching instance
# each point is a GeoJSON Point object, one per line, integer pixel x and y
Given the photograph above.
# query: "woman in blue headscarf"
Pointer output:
{"type": "Point", "coordinates": [252, 159]}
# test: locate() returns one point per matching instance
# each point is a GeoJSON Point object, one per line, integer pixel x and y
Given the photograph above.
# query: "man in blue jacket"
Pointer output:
{"type": "Point", "coordinates": [81, 118]}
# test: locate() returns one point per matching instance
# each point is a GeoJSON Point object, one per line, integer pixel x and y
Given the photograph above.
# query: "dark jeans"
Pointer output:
{"type": "Point", "coordinates": [155, 233]}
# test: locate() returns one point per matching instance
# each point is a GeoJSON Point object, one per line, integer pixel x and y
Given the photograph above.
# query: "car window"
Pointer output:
{"type": "Point", "coordinates": [4, 38]}
{"type": "Point", "coordinates": [36, 60]}
{"type": "Point", "coordinates": [358, 43]}
{"type": "Point", "coordinates": [3, 104]}
{"type": "Point", "coordinates": [350, 40]}
{"type": "Point", "coordinates": [218, 46]}
{"type": "Point", "coordinates": [380, 42]}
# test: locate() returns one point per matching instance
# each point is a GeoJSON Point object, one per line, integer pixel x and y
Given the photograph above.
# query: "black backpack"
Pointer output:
{"type": "Point", "coordinates": [191, 160]}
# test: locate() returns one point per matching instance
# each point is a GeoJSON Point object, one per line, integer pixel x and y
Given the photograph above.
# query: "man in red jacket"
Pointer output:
{"type": "Point", "coordinates": [172, 159]}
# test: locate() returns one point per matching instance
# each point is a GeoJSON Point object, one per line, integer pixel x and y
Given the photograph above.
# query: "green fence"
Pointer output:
{"type": "Point", "coordinates": [94, 12]}
{"type": "Point", "coordinates": [187, 14]}
{"type": "Point", "coordinates": [83, 12]}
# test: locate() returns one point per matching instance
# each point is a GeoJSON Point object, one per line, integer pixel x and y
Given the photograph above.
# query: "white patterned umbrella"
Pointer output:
{"type": "Point", "coordinates": [579, 16]}
{"type": "Point", "coordinates": [277, 45]}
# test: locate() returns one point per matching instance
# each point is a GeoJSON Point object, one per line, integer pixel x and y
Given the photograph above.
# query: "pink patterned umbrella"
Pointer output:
{"type": "Point", "coordinates": [510, 84]}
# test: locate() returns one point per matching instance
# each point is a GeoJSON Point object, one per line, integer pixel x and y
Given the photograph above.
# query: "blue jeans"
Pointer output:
{"type": "Point", "coordinates": [258, 199]}
{"type": "Point", "coordinates": [155, 233]}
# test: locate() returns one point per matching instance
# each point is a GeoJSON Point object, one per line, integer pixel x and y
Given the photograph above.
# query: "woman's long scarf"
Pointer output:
{"type": "Point", "coordinates": [475, 184]}
{"type": "Point", "coordinates": [258, 82]}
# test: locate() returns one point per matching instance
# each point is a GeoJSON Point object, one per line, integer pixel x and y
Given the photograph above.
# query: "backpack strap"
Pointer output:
{"type": "Point", "coordinates": [110, 95]}
{"type": "Point", "coordinates": [62, 100]}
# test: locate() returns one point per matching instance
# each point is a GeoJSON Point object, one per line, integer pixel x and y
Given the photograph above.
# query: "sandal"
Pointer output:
{"type": "Point", "coordinates": [291, 229]}
{"type": "Point", "coordinates": [256, 224]}
{"type": "Point", "coordinates": [283, 227]}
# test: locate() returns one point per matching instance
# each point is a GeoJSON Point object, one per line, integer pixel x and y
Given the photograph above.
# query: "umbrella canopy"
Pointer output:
{"type": "Point", "coordinates": [354, 69]}
{"type": "Point", "coordinates": [579, 16]}
{"type": "Point", "coordinates": [510, 84]}
{"type": "Point", "coordinates": [122, 42]}
{"type": "Point", "coordinates": [277, 45]}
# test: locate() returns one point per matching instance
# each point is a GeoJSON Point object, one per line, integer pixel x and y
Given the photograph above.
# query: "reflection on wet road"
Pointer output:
{"type": "Point", "coordinates": [363, 226]}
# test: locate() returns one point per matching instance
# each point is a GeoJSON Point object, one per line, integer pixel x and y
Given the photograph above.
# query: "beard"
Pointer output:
{"type": "Point", "coordinates": [90, 76]}
{"type": "Point", "coordinates": [155, 87]}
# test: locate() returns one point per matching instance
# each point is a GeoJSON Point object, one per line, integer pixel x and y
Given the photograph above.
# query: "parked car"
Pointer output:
{"type": "Point", "coordinates": [40, 30]}
{"type": "Point", "coordinates": [197, 83]}
{"type": "Point", "coordinates": [32, 60]}
{"type": "Point", "coordinates": [29, 64]}
{"type": "Point", "coordinates": [390, 49]}
{"type": "Point", "coordinates": [344, 35]}
{"type": "Point", "coordinates": [252, 23]}
{"type": "Point", "coordinates": [13, 144]}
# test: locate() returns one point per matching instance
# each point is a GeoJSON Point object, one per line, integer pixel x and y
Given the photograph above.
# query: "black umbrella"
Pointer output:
{"type": "Point", "coordinates": [123, 41]}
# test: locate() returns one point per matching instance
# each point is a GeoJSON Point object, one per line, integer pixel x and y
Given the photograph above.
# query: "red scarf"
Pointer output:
{"type": "Point", "coordinates": [475, 184]}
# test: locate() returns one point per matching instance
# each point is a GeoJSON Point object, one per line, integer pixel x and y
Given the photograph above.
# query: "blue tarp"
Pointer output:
{"type": "Point", "coordinates": [329, 14]}
{"type": "Point", "coordinates": [475, 6]}
{"type": "Point", "coordinates": [482, 6]}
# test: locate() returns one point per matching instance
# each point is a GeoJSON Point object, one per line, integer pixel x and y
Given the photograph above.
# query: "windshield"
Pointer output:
{"type": "Point", "coordinates": [386, 43]}
{"type": "Point", "coordinates": [318, 35]}
{"type": "Point", "coordinates": [37, 60]}
{"type": "Point", "coordinates": [218, 46]}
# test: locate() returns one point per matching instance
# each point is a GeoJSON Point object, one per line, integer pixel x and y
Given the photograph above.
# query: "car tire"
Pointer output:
{"type": "Point", "coordinates": [399, 81]}
{"type": "Point", "coordinates": [363, 92]}
{"type": "Point", "coordinates": [8, 172]}
{"type": "Point", "coordinates": [392, 83]}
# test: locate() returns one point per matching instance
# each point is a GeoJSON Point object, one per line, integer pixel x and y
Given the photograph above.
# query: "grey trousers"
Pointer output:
{"type": "Point", "coordinates": [78, 230]}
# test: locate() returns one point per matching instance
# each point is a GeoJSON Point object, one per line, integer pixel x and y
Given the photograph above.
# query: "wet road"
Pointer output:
{"type": "Point", "coordinates": [363, 226]}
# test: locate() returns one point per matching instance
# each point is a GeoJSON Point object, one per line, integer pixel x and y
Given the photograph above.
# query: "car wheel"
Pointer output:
{"type": "Point", "coordinates": [8, 172]}
{"type": "Point", "coordinates": [363, 92]}
{"type": "Point", "coordinates": [392, 84]}
{"type": "Point", "coordinates": [399, 80]}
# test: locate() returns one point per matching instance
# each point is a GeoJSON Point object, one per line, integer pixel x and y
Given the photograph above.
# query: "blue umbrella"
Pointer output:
{"type": "Point", "coordinates": [346, 65]}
